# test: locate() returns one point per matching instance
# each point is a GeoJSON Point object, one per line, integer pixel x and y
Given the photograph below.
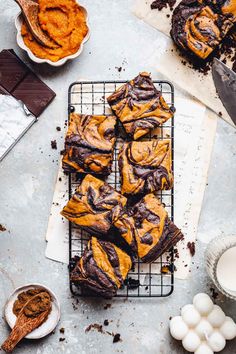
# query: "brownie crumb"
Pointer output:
{"type": "Point", "coordinates": [132, 283]}
{"type": "Point", "coordinates": [116, 338]}
{"type": "Point", "coordinates": [106, 323]}
{"type": "Point", "coordinates": [54, 144]}
{"type": "Point", "coordinates": [214, 293]}
{"type": "Point", "coordinates": [191, 247]}
{"type": "Point", "coordinates": [118, 68]}
{"type": "Point", "coordinates": [2, 228]}
{"type": "Point", "coordinates": [62, 330]}
{"type": "Point", "coordinates": [59, 179]}
{"type": "Point", "coordinates": [58, 129]}
{"type": "Point", "coordinates": [107, 306]}
{"type": "Point", "coordinates": [96, 326]}
{"type": "Point", "coordinates": [161, 4]}
{"type": "Point", "coordinates": [164, 269]}
{"type": "Point", "coordinates": [61, 339]}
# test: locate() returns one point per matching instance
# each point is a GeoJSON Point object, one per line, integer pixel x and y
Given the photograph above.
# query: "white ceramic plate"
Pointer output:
{"type": "Point", "coordinates": [48, 326]}
{"type": "Point", "coordinates": [21, 44]}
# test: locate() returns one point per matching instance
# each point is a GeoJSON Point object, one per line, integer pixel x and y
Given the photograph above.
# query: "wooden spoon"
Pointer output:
{"type": "Point", "coordinates": [30, 10]}
{"type": "Point", "coordinates": [25, 324]}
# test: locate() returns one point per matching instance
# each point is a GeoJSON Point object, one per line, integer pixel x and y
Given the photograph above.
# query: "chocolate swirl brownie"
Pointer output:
{"type": "Point", "coordinates": [198, 26]}
{"type": "Point", "coordinates": [102, 268]}
{"type": "Point", "coordinates": [153, 232]}
{"type": "Point", "coordinates": [89, 144]}
{"type": "Point", "coordinates": [145, 166]}
{"type": "Point", "coordinates": [140, 106]}
{"type": "Point", "coordinates": [94, 206]}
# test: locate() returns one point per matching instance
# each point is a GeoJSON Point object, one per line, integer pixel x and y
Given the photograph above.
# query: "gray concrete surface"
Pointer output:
{"type": "Point", "coordinates": [27, 178]}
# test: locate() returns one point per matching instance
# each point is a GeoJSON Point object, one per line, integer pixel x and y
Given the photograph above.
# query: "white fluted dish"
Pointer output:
{"type": "Point", "coordinates": [21, 43]}
{"type": "Point", "coordinates": [53, 318]}
{"type": "Point", "coordinates": [216, 248]}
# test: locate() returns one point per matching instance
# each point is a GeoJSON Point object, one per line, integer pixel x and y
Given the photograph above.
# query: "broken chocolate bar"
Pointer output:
{"type": "Point", "coordinates": [19, 81]}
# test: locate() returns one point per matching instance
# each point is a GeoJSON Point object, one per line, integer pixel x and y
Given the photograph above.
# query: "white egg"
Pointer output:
{"type": "Point", "coordinates": [178, 328]}
{"type": "Point", "coordinates": [191, 341]}
{"type": "Point", "coordinates": [216, 341]}
{"type": "Point", "coordinates": [204, 329]}
{"type": "Point", "coordinates": [216, 317]}
{"type": "Point", "coordinates": [228, 329]}
{"type": "Point", "coordinates": [203, 303]}
{"type": "Point", "coordinates": [190, 315]}
{"type": "Point", "coordinates": [204, 349]}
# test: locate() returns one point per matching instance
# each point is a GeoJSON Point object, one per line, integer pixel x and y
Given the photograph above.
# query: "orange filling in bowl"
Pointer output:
{"type": "Point", "coordinates": [65, 22]}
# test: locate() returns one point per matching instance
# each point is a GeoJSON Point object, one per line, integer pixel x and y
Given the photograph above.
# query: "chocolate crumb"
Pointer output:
{"type": "Point", "coordinates": [62, 330]}
{"type": "Point", "coordinates": [107, 306]}
{"type": "Point", "coordinates": [61, 339]}
{"type": "Point", "coordinates": [58, 129]}
{"type": "Point", "coordinates": [2, 228]}
{"type": "Point", "coordinates": [116, 338]}
{"type": "Point", "coordinates": [59, 179]}
{"type": "Point", "coordinates": [191, 247]}
{"type": "Point", "coordinates": [96, 326]}
{"type": "Point", "coordinates": [54, 144]}
{"type": "Point", "coordinates": [132, 283]}
{"type": "Point", "coordinates": [118, 68]}
{"type": "Point", "coordinates": [214, 293]}
{"type": "Point", "coordinates": [106, 323]}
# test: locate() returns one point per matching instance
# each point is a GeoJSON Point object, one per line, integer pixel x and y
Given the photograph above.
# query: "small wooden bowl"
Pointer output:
{"type": "Point", "coordinates": [48, 326]}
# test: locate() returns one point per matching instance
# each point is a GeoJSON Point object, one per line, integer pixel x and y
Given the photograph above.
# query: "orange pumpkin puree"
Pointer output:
{"type": "Point", "coordinates": [65, 22]}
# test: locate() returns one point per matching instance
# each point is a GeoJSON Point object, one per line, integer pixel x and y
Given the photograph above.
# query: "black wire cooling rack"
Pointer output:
{"type": "Point", "coordinates": [145, 280]}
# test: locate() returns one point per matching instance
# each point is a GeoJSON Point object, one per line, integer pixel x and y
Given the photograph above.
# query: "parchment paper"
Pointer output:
{"type": "Point", "coordinates": [167, 61]}
{"type": "Point", "coordinates": [194, 135]}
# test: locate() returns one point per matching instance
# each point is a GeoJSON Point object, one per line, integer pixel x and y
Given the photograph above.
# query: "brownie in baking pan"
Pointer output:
{"type": "Point", "coordinates": [152, 230]}
{"type": "Point", "coordinates": [89, 144]}
{"type": "Point", "coordinates": [94, 206]}
{"type": "Point", "coordinates": [199, 26]}
{"type": "Point", "coordinates": [145, 166]}
{"type": "Point", "coordinates": [102, 268]}
{"type": "Point", "coordinates": [140, 106]}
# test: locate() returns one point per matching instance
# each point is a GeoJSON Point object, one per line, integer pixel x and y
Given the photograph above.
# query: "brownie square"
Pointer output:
{"type": "Point", "coordinates": [89, 144]}
{"type": "Point", "coordinates": [95, 206]}
{"type": "Point", "coordinates": [102, 268]}
{"type": "Point", "coordinates": [145, 166]}
{"type": "Point", "coordinates": [140, 106]}
{"type": "Point", "coordinates": [153, 233]}
{"type": "Point", "coordinates": [199, 26]}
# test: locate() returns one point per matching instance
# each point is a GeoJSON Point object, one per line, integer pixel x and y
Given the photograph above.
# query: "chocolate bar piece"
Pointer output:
{"type": "Point", "coordinates": [102, 268]}
{"type": "Point", "coordinates": [19, 81]}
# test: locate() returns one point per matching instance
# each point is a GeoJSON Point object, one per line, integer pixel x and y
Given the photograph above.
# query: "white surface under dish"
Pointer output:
{"type": "Point", "coordinates": [21, 44]}
{"type": "Point", "coordinates": [48, 326]}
